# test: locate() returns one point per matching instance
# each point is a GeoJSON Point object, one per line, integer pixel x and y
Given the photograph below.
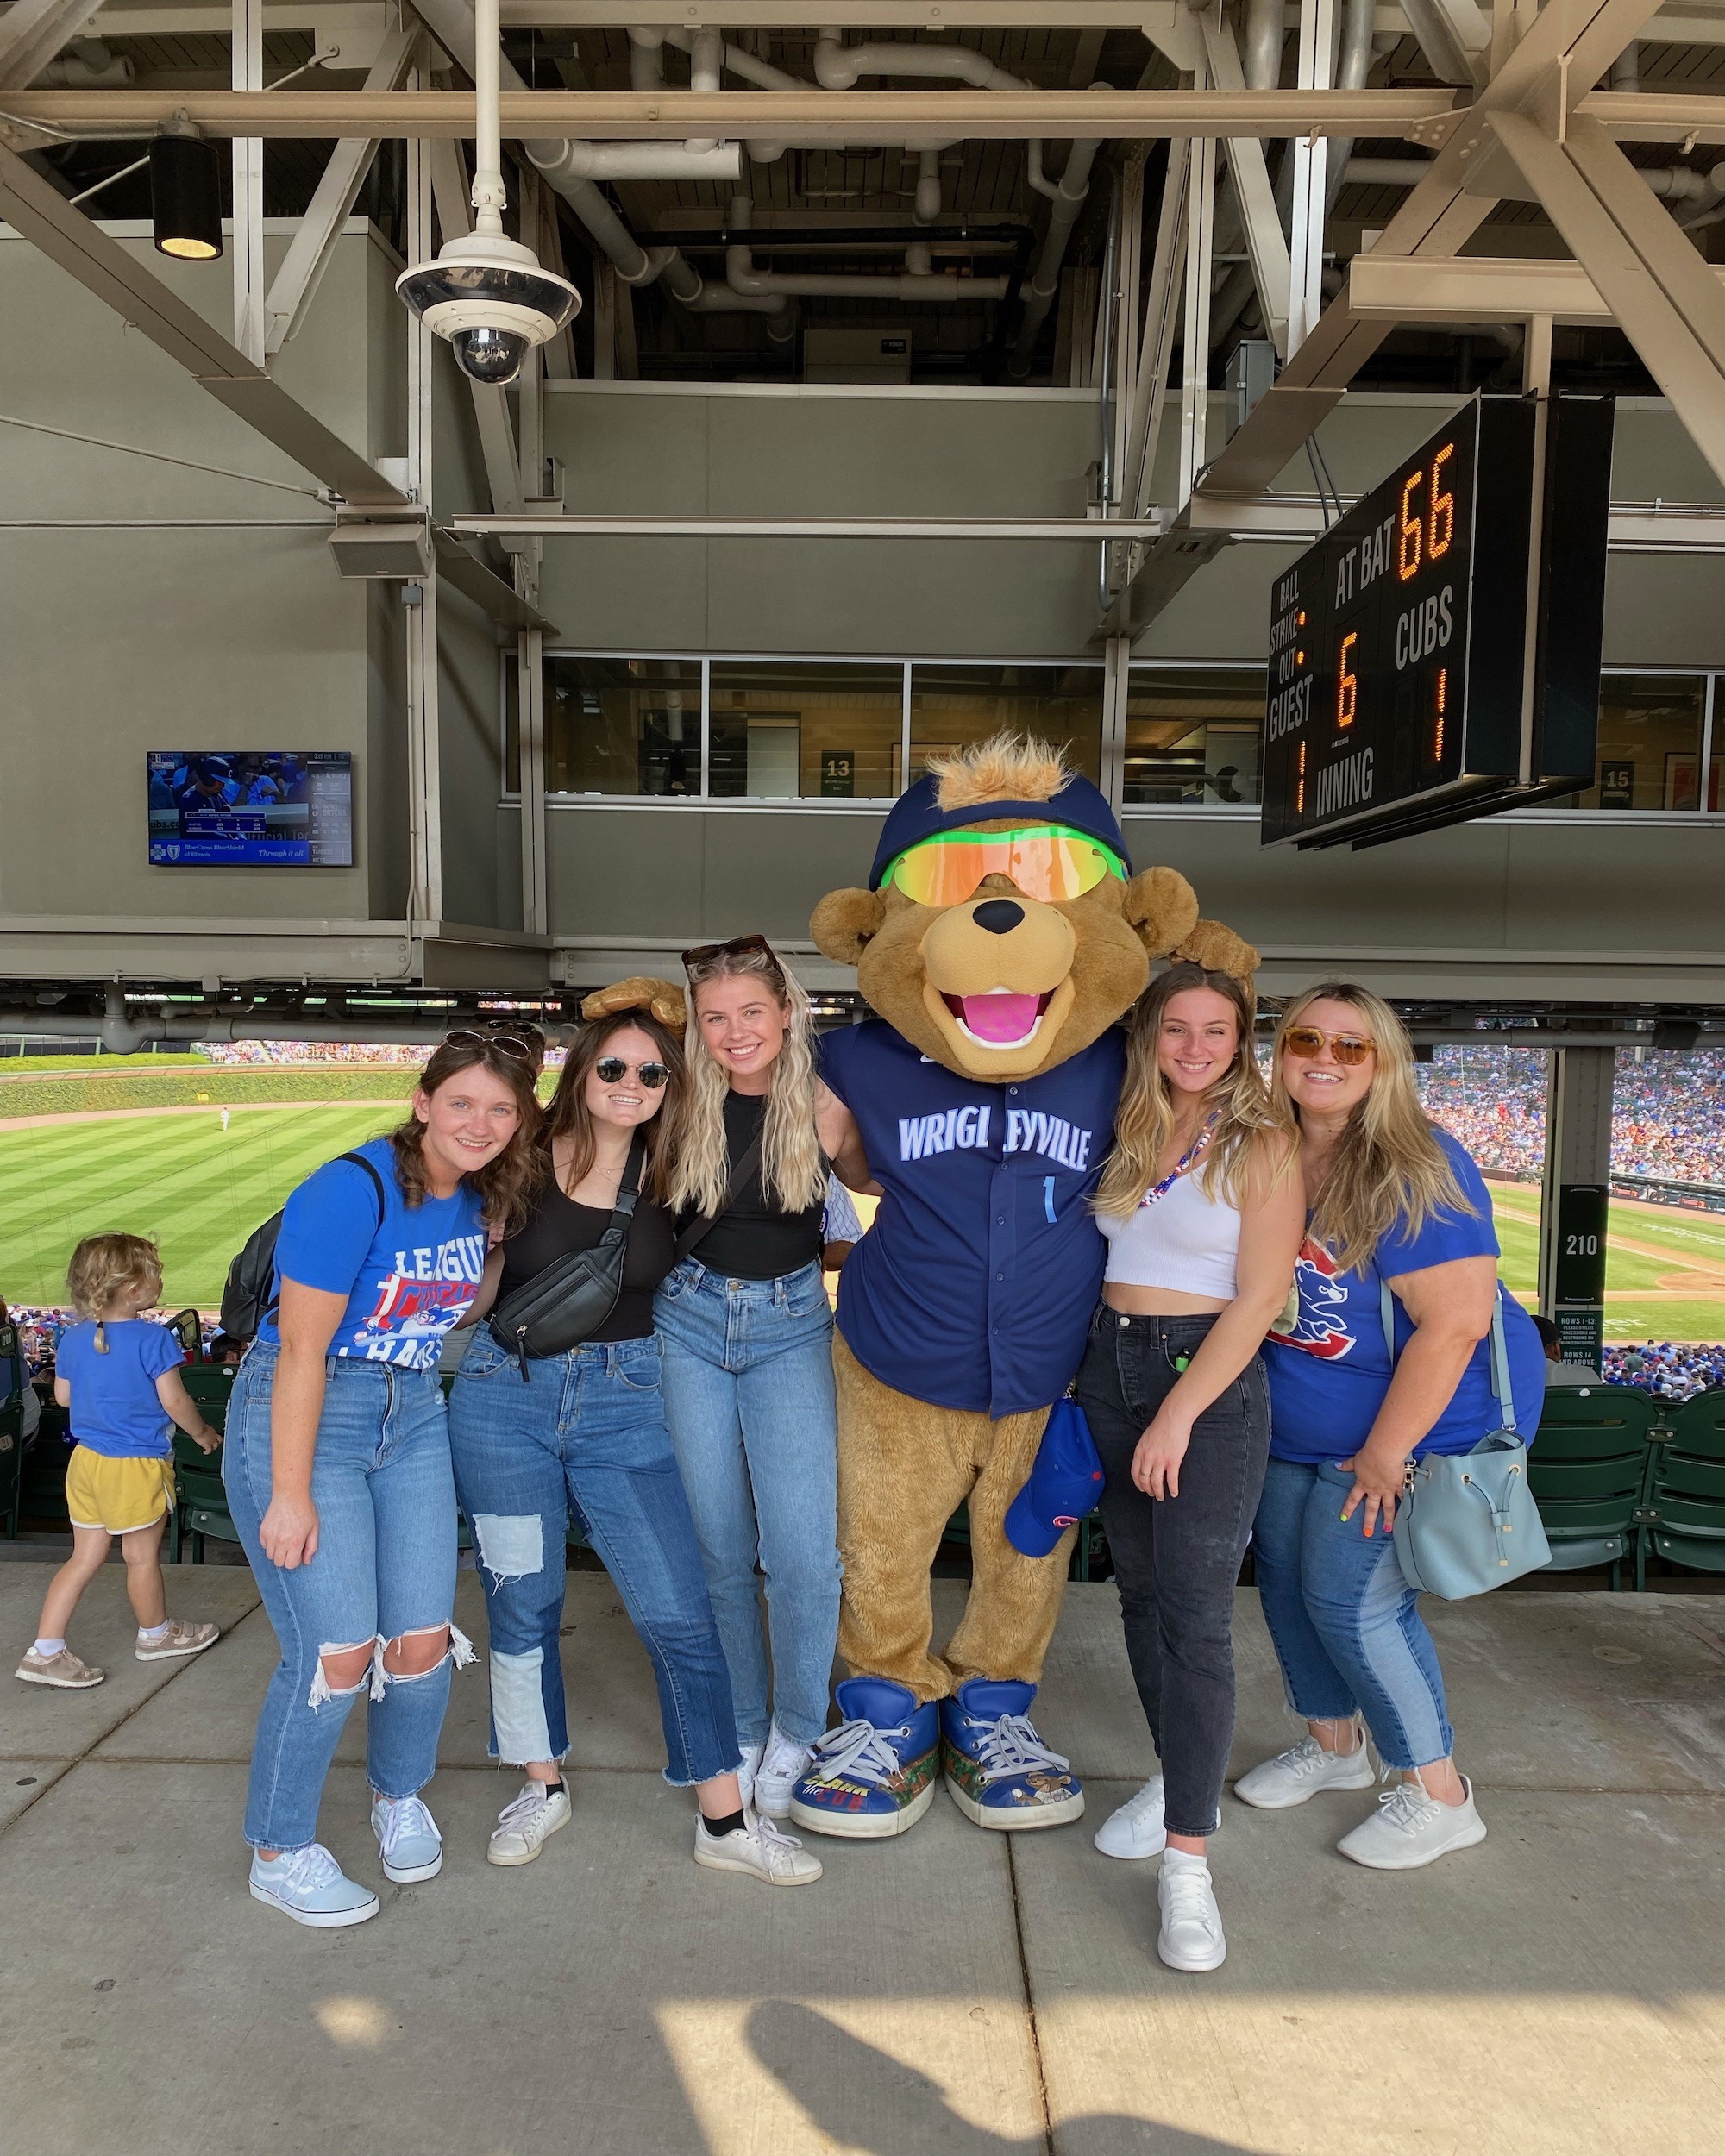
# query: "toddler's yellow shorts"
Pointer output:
{"type": "Point", "coordinates": [117, 1494]}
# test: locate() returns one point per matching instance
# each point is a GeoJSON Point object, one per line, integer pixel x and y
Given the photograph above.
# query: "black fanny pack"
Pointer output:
{"type": "Point", "coordinates": [566, 1301]}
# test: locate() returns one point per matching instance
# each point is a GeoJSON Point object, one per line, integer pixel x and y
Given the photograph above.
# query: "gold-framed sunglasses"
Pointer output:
{"type": "Point", "coordinates": [1349, 1049]}
{"type": "Point", "coordinates": [510, 1044]}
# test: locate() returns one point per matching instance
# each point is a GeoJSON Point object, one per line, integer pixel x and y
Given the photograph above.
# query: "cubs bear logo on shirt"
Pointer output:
{"type": "Point", "coordinates": [1314, 1316]}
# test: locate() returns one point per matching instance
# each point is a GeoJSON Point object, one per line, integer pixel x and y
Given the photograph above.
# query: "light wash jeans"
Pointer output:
{"type": "Point", "coordinates": [1344, 1621]}
{"type": "Point", "coordinates": [749, 1399]}
{"type": "Point", "coordinates": [385, 1566]}
{"type": "Point", "coordinates": [587, 1430]}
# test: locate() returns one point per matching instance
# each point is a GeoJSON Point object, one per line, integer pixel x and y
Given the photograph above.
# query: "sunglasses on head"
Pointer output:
{"type": "Point", "coordinates": [1349, 1049]}
{"type": "Point", "coordinates": [737, 947]}
{"type": "Point", "coordinates": [1045, 862]}
{"type": "Point", "coordinates": [510, 1044]}
{"type": "Point", "coordinates": [652, 1075]}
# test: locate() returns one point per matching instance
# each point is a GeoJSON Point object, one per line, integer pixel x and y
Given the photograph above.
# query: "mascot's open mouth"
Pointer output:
{"type": "Point", "coordinates": [1001, 1018]}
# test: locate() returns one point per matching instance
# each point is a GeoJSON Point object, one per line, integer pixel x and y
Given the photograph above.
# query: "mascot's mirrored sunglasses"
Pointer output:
{"type": "Point", "coordinates": [609, 1069]}
{"type": "Point", "coordinates": [1304, 1041]}
{"type": "Point", "coordinates": [1045, 862]}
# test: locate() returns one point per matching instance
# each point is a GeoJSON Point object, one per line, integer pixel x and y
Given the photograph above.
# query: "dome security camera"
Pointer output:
{"type": "Point", "coordinates": [490, 298]}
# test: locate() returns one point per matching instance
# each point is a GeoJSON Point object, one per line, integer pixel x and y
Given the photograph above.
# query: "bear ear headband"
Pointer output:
{"type": "Point", "coordinates": [641, 992]}
{"type": "Point", "coordinates": [1215, 947]}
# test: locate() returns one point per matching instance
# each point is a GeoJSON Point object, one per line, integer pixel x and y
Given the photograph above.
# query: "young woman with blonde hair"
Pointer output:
{"type": "Point", "coordinates": [1394, 1203]}
{"type": "Point", "coordinates": [1201, 1209]}
{"type": "Point", "coordinates": [746, 1332]}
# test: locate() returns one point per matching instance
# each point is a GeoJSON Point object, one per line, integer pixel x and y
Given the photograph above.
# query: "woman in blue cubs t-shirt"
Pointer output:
{"type": "Point", "coordinates": [337, 1463]}
{"type": "Point", "coordinates": [1390, 1198]}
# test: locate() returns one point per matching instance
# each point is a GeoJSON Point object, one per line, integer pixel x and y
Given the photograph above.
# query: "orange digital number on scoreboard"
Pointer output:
{"type": "Point", "coordinates": [1425, 538]}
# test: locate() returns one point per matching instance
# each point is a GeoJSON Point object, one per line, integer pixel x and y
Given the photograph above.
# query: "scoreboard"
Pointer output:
{"type": "Point", "coordinates": [1399, 694]}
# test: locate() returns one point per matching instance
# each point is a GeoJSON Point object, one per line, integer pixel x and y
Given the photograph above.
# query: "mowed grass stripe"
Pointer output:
{"type": "Point", "coordinates": [180, 1180]}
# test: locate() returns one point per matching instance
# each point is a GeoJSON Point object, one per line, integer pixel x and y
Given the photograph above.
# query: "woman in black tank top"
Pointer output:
{"type": "Point", "coordinates": [536, 1436]}
{"type": "Point", "coordinates": [748, 1340]}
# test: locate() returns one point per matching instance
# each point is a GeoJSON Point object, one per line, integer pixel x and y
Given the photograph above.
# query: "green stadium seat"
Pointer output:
{"type": "Point", "coordinates": [1686, 1491]}
{"type": "Point", "coordinates": [1588, 1470]}
{"type": "Point", "coordinates": [11, 1462]}
{"type": "Point", "coordinates": [44, 1492]}
{"type": "Point", "coordinates": [211, 1385]}
{"type": "Point", "coordinates": [201, 1508]}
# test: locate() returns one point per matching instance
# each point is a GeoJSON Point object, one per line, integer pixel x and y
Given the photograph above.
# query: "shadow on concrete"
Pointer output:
{"type": "Point", "coordinates": [864, 2099]}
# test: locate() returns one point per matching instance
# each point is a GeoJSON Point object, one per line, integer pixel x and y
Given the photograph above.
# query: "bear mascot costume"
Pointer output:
{"type": "Point", "coordinates": [1002, 937]}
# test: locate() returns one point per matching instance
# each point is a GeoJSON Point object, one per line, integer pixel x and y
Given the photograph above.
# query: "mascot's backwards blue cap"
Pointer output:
{"type": "Point", "coordinates": [917, 814]}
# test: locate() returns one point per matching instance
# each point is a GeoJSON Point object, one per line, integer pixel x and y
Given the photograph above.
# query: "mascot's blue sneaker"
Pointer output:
{"type": "Point", "coordinates": [874, 1775]}
{"type": "Point", "coordinates": [997, 1771]}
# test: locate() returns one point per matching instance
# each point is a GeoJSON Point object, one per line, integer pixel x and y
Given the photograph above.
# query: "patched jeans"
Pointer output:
{"type": "Point", "coordinates": [586, 1430]}
{"type": "Point", "coordinates": [1177, 1559]}
{"type": "Point", "coordinates": [1345, 1623]}
{"type": "Point", "coordinates": [749, 1398]}
{"type": "Point", "coordinates": [384, 1566]}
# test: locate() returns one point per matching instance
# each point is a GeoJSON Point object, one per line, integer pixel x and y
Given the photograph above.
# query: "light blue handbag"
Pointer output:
{"type": "Point", "coordinates": [1467, 1520]}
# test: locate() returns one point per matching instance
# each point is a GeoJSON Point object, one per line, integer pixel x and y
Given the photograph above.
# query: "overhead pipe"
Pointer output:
{"type": "Point", "coordinates": [1066, 203]}
{"type": "Point", "coordinates": [1264, 31]}
{"type": "Point", "coordinates": [86, 64]}
{"type": "Point", "coordinates": [927, 187]}
{"type": "Point", "coordinates": [1353, 66]}
{"type": "Point", "coordinates": [749, 67]}
{"type": "Point", "coordinates": [921, 280]}
{"type": "Point", "coordinates": [837, 65]}
{"type": "Point", "coordinates": [704, 73]}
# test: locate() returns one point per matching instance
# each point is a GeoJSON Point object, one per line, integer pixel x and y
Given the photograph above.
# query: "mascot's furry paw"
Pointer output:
{"type": "Point", "coordinates": [1213, 945]}
{"type": "Point", "coordinates": [1163, 907]}
{"type": "Point", "coordinates": [664, 999]}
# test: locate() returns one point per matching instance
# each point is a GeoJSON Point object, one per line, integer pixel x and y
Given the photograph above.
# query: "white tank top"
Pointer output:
{"type": "Point", "coordinates": [1186, 1239]}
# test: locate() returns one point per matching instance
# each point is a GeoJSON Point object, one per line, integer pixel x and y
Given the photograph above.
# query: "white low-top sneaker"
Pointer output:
{"type": "Point", "coordinates": [1135, 1829]}
{"type": "Point", "coordinates": [1411, 1827]}
{"type": "Point", "coordinates": [1302, 1771]}
{"type": "Point", "coordinates": [783, 1766]}
{"type": "Point", "coordinates": [752, 1757]}
{"type": "Point", "coordinates": [759, 1848]}
{"type": "Point", "coordinates": [1191, 1934]}
{"type": "Point", "coordinates": [524, 1824]}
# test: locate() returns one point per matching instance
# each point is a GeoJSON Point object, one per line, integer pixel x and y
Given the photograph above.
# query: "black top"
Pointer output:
{"type": "Point", "coordinates": [558, 1226]}
{"type": "Point", "coordinates": [754, 1240]}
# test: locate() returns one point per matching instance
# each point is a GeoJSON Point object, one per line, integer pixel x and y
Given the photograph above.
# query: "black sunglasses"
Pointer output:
{"type": "Point", "coordinates": [609, 1069]}
{"type": "Point", "coordinates": [738, 947]}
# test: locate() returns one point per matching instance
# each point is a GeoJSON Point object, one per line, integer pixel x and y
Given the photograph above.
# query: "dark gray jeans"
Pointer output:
{"type": "Point", "coordinates": [1176, 1561]}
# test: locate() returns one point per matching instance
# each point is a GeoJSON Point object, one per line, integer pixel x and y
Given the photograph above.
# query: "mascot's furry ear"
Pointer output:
{"type": "Point", "coordinates": [641, 992]}
{"type": "Point", "coordinates": [1163, 907]}
{"type": "Point", "coordinates": [1215, 947]}
{"type": "Point", "coordinates": [844, 921]}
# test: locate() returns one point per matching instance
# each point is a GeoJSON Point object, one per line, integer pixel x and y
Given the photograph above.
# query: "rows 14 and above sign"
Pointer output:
{"type": "Point", "coordinates": [1397, 642]}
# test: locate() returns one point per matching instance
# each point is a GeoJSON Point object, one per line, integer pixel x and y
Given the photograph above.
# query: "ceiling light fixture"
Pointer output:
{"type": "Point", "coordinates": [185, 197]}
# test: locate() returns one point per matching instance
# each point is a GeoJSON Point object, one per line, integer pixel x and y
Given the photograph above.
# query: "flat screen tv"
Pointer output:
{"type": "Point", "coordinates": [251, 808]}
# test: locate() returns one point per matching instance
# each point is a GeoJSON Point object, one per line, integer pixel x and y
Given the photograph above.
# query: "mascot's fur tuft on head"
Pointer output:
{"type": "Point", "coordinates": [1006, 767]}
{"type": "Point", "coordinates": [997, 992]}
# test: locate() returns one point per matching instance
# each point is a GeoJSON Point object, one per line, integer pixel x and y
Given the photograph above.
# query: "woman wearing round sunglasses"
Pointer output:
{"type": "Point", "coordinates": [1392, 1199]}
{"type": "Point", "coordinates": [534, 1436]}
{"type": "Point", "coordinates": [747, 1338]}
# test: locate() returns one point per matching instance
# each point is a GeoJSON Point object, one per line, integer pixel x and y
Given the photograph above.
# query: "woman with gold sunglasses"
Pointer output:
{"type": "Point", "coordinates": [1393, 1201]}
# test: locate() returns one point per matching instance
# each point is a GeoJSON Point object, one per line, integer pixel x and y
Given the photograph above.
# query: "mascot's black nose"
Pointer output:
{"type": "Point", "coordinates": [999, 916]}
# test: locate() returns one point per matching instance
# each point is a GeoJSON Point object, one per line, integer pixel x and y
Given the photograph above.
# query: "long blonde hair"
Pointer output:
{"type": "Point", "coordinates": [102, 1267]}
{"type": "Point", "coordinates": [1248, 1121]}
{"type": "Point", "coordinates": [793, 1174]}
{"type": "Point", "coordinates": [1389, 1169]}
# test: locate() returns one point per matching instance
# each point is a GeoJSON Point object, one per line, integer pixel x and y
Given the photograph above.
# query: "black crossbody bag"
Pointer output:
{"type": "Point", "coordinates": [566, 1301]}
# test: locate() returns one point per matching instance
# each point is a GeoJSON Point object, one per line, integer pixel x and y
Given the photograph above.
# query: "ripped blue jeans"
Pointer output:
{"type": "Point", "coordinates": [587, 1432]}
{"type": "Point", "coordinates": [384, 1569]}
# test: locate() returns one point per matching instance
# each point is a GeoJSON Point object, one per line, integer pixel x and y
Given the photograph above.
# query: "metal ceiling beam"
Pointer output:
{"type": "Point", "coordinates": [1266, 243]}
{"type": "Point", "coordinates": [669, 115]}
{"type": "Point", "coordinates": [1477, 288]}
{"type": "Point", "coordinates": [1086, 529]}
{"type": "Point", "coordinates": [33, 31]}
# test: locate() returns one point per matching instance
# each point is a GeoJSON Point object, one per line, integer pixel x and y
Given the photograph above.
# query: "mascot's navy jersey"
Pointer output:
{"type": "Point", "coordinates": [995, 1326]}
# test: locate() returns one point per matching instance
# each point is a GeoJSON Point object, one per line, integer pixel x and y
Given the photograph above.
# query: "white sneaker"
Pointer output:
{"type": "Point", "coordinates": [408, 1841]}
{"type": "Point", "coordinates": [524, 1824]}
{"type": "Point", "coordinates": [1135, 1829]}
{"type": "Point", "coordinates": [757, 1848]}
{"type": "Point", "coordinates": [752, 1755]}
{"type": "Point", "coordinates": [1191, 1934]}
{"type": "Point", "coordinates": [781, 1769]}
{"type": "Point", "coordinates": [1300, 1772]}
{"type": "Point", "coordinates": [1411, 1827]}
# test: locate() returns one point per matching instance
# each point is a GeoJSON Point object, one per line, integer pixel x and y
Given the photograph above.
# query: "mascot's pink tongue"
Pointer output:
{"type": "Point", "coordinates": [1000, 1017]}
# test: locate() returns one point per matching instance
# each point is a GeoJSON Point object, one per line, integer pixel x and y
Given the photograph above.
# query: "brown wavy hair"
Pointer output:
{"type": "Point", "coordinates": [504, 1184]}
{"type": "Point", "coordinates": [568, 1115]}
{"type": "Point", "coordinates": [1249, 1119]}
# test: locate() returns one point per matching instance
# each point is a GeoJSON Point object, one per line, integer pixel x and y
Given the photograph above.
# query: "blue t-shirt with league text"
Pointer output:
{"type": "Point", "coordinates": [973, 1287]}
{"type": "Point", "coordinates": [114, 1407]}
{"type": "Point", "coordinates": [1328, 1362]}
{"type": "Point", "coordinates": [408, 1277]}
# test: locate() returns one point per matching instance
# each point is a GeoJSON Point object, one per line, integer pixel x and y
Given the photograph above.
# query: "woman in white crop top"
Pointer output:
{"type": "Point", "coordinates": [1203, 1214]}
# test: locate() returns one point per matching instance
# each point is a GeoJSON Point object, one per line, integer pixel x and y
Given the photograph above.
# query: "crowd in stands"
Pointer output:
{"type": "Point", "coordinates": [1667, 1370]}
{"type": "Point", "coordinates": [1671, 1124]}
{"type": "Point", "coordinates": [322, 1054]}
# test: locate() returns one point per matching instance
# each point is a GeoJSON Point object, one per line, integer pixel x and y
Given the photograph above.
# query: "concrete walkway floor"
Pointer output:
{"type": "Point", "coordinates": [1560, 1989]}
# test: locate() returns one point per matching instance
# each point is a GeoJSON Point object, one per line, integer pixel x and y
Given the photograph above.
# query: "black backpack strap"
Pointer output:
{"type": "Point", "coordinates": [738, 1176]}
{"type": "Point", "coordinates": [359, 1161]}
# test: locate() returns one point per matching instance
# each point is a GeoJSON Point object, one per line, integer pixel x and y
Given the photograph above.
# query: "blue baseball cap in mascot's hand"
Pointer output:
{"type": "Point", "coordinates": [1065, 1482]}
{"type": "Point", "coordinates": [917, 815]}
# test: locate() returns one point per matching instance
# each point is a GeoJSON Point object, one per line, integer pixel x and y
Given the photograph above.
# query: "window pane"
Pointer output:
{"type": "Point", "coordinates": [954, 706]}
{"type": "Point", "coordinates": [1649, 743]}
{"type": "Point", "coordinates": [622, 726]}
{"type": "Point", "coordinates": [781, 731]}
{"type": "Point", "coordinates": [1192, 734]}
